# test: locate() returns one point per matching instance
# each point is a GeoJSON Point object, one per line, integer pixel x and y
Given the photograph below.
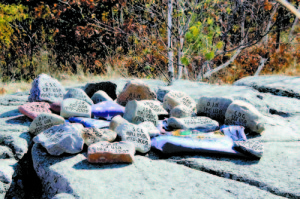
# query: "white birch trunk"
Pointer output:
{"type": "Point", "coordinates": [170, 50]}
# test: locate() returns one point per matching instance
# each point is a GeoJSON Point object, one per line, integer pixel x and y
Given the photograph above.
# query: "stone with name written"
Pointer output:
{"type": "Point", "coordinates": [136, 112]}
{"type": "Point", "coordinates": [55, 107]}
{"type": "Point", "coordinates": [182, 111]}
{"type": "Point", "coordinates": [135, 90]}
{"type": "Point", "coordinates": [59, 139]}
{"type": "Point", "coordinates": [45, 121]}
{"type": "Point", "coordinates": [204, 124]}
{"type": "Point", "coordinates": [213, 107]}
{"type": "Point", "coordinates": [105, 152]}
{"type": "Point", "coordinates": [33, 109]}
{"type": "Point", "coordinates": [107, 110]}
{"type": "Point", "coordinates": [46, 88]}
{"type": "Point", "coordinates": [253, 148]}
{"type": "Point", "coordinates": [244, 114]}
{"type": "Point", "coordinates": [175, 98]}
{"type": "Point", "coordinates": [75, 108]}
{"type": "Point", "coordinates": [107, 86]}
{"type": "Point", "coordinates": [152, 130]}
{"type": "Point", "coordinates": [78, 93]}
{"type": "Point", "coordinates": [117, 121]}
{"type": "Point", "coordinates": [156, 106]}
{"type": "Point", "coordinates": [88, 122]}
{"type": "Point", "coordinates": [135, 134]}
{"type": "Point", "coordinates": [100, 96]}
{"type": "Point", "coordinates": [93, 135]}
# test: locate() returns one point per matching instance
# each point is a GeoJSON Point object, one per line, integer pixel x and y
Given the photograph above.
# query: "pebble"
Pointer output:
{"type": "Point", "coordinates": [107, 110]}
{"type": "Point", "coordinates": [107, 86]}
{"type": "Point", "coordinates": [73, 107]}
{"type": "Point", "coordinates": [100, 96]}
{"type": "Point", "coordinates": [33, 109]}
{"type": "Point", "coordinates": [117, 121]}
{"type": "Point", "coordinates": [93, 135]}
{"type": "Point", "coordinates": [78, 93]}
{"type": "Point", "coordinates": [45, 121]}
{"type": "Point", "coordinates": [175, 98]}
{"type": "Point", "coordinates": [182, 111]}
{"type": "Point", "coordinates": [88, 122]}
{"type": "Point", "coordinates": [152, 130]}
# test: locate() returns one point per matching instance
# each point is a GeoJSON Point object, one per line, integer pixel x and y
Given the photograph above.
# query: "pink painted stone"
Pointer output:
{"type": "Point", "coordinates": [33, 109]}
{"type": "Point", "coordinates": [55, 107]}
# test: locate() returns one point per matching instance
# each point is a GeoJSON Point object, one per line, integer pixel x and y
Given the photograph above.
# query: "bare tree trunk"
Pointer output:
{"type": "Point", "coordinates": [262, 64]}
{"type": "Point", "coordinates": [265, 40]}
{"type": "Point", "coordinates": [170, 50]}
{"type": "Point", "coordinates": [179, 51]}
{"type": "Point", "coordinates": [201, 73]}
{"type": "Point", "coordinates": [290, 7]}
{"type": "Point", "coordinates": [293, 27]}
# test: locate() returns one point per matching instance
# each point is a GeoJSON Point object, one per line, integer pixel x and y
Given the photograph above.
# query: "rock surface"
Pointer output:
{"type": "Point", "coordinates": [33, 109]}
{"type": "Point", "coordinates": [175, 98]}
{"type": "Point", "coordinates": [75, 108]}
{"type": "Point", "coordinates": [78, 93]}
{"type": "Point", "coordinates": [93, 135]}
{"type": "Point", "coordinates": [100, 96]}
{"type": "Point", "coordinates": [45, 121]}
{"type": "Point", "coordinates": [106, 86]}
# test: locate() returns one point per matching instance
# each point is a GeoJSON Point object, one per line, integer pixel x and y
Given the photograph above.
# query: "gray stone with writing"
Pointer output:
{"type": "Point", "coordinates": [93, 135]}
{"type": "Point", "coordinates": [137, 112]}
{"type": "Point", "coordinates": [46, 88]}
{"type": "Point", "coordinates": [175, 98]}
{"type": "Point", "coordinates": [117, 121]}
{"type": "Point", "coordinates": [135, 134]}
{"type": "Point", "coordinates": [75, 108]}
{"type": "Point", "coordinates": [152, 130]}
{"type": "Point", "coordinates": [204, 124]}
{"type": "Point", "coordinates": [101, 96]}
{"type": "Point", "coordinates": [78, 93]}
{"type": "Point", "coordinates": [182, 111]}
{"type": "Point", "coordinates": [45, 121]}
{"type": "Point", "coordinates": [59, 139]}
{"type": "Point", "coordinates": [156, 106]}
{"type": "Point", "coordinates": [213, 107]}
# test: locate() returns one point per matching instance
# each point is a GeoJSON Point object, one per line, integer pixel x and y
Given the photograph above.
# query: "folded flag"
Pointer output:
{"type": "Point", "coordinates": [87, 122]}
{"type": "Point", "coordinates": [237, 133]}
{"type": "Point", "coordinates": [107, 110]}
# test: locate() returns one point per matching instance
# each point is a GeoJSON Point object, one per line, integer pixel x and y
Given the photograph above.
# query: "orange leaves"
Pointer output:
{"type": "Point", "coordinates": [267, 5]}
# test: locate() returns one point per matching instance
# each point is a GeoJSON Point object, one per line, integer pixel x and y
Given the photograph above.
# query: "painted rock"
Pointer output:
{"type": "Point", "coordinates": [105, 152]}
{"type": "Point", "coordinates": [60, 139]}
{"type": "Point", "coordinates": [108, 87]}
{"type": "Point", "coordinates": [73, 107]}
{"type": "Point", "coordinates": [107, 110]}
{"type": "Point", "coordinates": [175, 98]}
{"type": "Point", "coordinates": [135, 134]}
{"type": "Point", "coordinates": [136, 112]}
{"type": "Point", "coordinates": [152, 130]}
{"type": "Point", "coordinates": [78, 93]}
{"type": "Point", "coordinates": [117, 121]}
{"type": "Point", "coordinates": [237, 133]}
{"type": "Point", "coordinates": [204, 124]}
{"type": "Point", "coordinates": [33, 109]}
{"type": "Point", "coordinates": [182, 111]}
{"type": "Point", "coordinates": [100, 96]}
{"type": "Point", "coordinates": [46, 88]}
{"type": "Point", "coordinates": [45, 121]}
{"type": "Point", "coordinates": [135, 90]}
{"type": "Point", "coordinates": [156, 106]}
{"type": "Point", "coordinates": [55, 107]}
{"type": "Point", "coordinates": [87, 122]}
{"type": "Point", "coordinates": [93, 135]}
{"type": "Point", "coordinates": [253, 148]}
{"type": "Point", "coordinates": [78, 126]}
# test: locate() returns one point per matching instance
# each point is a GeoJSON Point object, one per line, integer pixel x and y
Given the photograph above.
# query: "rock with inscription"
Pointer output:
{"type": "Point", "coordinates": [182, 111]}
{"type": "Point", "coordinates": [105, 152]}
{"type": "Point", "coordinates": [93, 135]}
{"type": "Point", "coordinates": [152, 130]}
{"type": "Point", "coordinates": [55, 107]}
{"type": "Point", "coordinates": [136, 112]}
{"type": "Point", "coordinates": [75, 108]}
{"type": "Point", "coordinates": [78, 93]}
{"type": "Point", "coordinates": [244, 114]}
{"type": "Point", "coordinates": [45, 121]}
{"type": "Point", "coordinates": [213, 107]}
{"type": "Point", "coordinates": [204, 124]}
{"type": "Point", "coordinates": [46, 88]}
{"type": "Point", "coordinates": [253, 148]}
{"type": "Point", "coordinates": [135, 134]}
{"type": "Point", "coordinates": [156, 106]}
{"type": "Point", "coordinates": [108, 87]}
{"type": "Point", "coordinates": [175, 98]}
{"type": "Point", "coordinates": [33, 109]}
{"type": "Point", "coordinates": [88, 122]}
{"type": "Point", "coordinates": [117, 121]}
{"type": "Point", "coordinates": [237, 133]}
{"type": "Point", "coordinates": [100, 96]}
{"type": "Point", "coordinates": [107, 110]}
{"type": "Point", "coordinates": [78, 126]}
{"type": "Point", "coordinates": [135, 90]}
{"type": "Point", "coordinates": [64, 138]}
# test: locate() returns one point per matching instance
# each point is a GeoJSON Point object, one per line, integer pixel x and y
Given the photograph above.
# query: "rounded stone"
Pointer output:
{"type": "Point", "coordinates": [75, 108]}
{"type": "Point", "coordinates": [182, 111]}
{"type": "Point", "coordinates": [93, 135]}
{"type": "Point", "coordinates": [78, 93]}
{"type": "Point", "coordinates": [107, 86]}
{"type": "Point", "coordinates": [175, 98]}
{"type": "Point", "coordinates": [100, 96]}
{"type": "Point", "coordinates": [33, 109]}
{"type": "Point", "coordinates": [152, 130]}
{"type": "Point", "coordinates": [117, 121]}
{"type": "Point", "coordinates": [44, 121]}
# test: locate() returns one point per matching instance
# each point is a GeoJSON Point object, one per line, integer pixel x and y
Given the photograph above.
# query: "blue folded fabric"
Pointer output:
{"type": "Point", "coordinates": [107, 110]}
{"type": "Point", "coordinates": [87, 122]}
{"type": "Point", "coordinates": [236, 133]}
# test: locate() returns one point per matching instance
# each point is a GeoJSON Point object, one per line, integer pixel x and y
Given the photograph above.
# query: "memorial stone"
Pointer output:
{"type": "Point", "coordinates": [55, 107]}
{"type": "Point", "coordinates": [152, 130]}
{"type": "Point", "coordinates": [253, 148]}
{"type": "Point", "coordinates": [117, 121]}
{"type": "Point", "coordinates": [107, 110]}
{"type": "Point", "coordinates": [100, 96]}
{"type": "Point", "coordinates": [45, 121]}
{"type": "Point", "coordinates": [105, 152]}
{"type": "Point", "coordinates": [33, 109]}
{"type": "Point", "coordinates": [138, 135]}
{"type": "Point", "coordinates": [93, 135]}
{"type": "Point", "coordinates": [213, 107]}
{"type": "Point", "coordinates": [204, 124]}
{"type": "Point", "coordinates": [182, 111]}
{"type": "Point", "coordinates": [108, 87]}
{"type": "Point", "coordinates": [46, 88]}
{"type": "Point", "coordinates": [156, 106]}
{"type": "Point", "coordinates": [175, 98]}
{"type": "Point", "coordinates": [135, 90]}
{"type": "Point", "coordinates": [78, 93]}
{"type": "Point", "coordinates": [136, 112]}
{"type": "Point", "coordinates": [73, 107]}
{"type": "Point", "coordinates": [87, 122]}
{"type": "Point", "coordinates": [64, 138]}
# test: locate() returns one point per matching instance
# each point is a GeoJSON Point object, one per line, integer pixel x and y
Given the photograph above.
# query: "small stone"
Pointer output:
{"type": "Point", "coordinates": [93, 135]}
{"type": "Point", "coordinates": [237, 133]}
{"type": "Point", "coordinates": [73, 107]}
{"type": "Point", "coordinates": [33, 109]}
{"type": "Point", "coordinates": [152, 130]}
{"type": "Point", "coordinates": [78, 93]}
{"type": "Point", "coordinates": [204, 124]}
{"type": "Point", "coordinates": [107, 110]}
{"type": "Point", "coordinates": [182, 111]}
{"type": "Point", "coordinates": [105, 152]}
{"type": "Point", "coordinates": [64, 138]}
{"type": "Point", "coordinates": [156, 106]}
{"type": "Point", "coordinates": [117, 121]}
{"type": "Point", "coordinates": [135, 134]}
{"type": "Point", "coordinates": [135, 90]}
{"type": "Point", "coordinates": [55, 107]}
{"type": "Point", "coordinates": [100, 96]}
{"type": "Point", "coordinates": [175, 98]}
{"type": "Point", "coordinates": [46, 88]}
{"type": "Point", "coordinates": [253, 148]}
{"type": "Point", "coordinates": [87, 122]}
{"type": "Point", "coordinates": [244, 114]}
{"type": "Point", "coordinates": [45, 121]}
{"type": "Point", "coordinates": [213, 107]}
{"type": "Point", "coordinates": [108, 87]}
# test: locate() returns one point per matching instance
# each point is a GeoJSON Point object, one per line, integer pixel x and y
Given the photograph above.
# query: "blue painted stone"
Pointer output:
{"type": "Point", "coordinates": [87, 122]}
{"type": "Point", "coordinates": [107, 110]}
{"type": "Point", "coordinates": [236, 133]}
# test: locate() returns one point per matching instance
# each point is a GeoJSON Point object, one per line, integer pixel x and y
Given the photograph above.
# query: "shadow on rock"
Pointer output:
{"type": "Point", "coordinates": [21, 120]}
{"type": "Point", "coordinates": [11, 113]}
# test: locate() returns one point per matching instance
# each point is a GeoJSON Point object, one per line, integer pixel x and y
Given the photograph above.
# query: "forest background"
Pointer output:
{"type": "Point", "coordinates": [216, 41]}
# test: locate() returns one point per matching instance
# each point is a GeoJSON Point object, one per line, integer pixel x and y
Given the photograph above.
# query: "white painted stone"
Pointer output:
{"type": "Point", "coordinates": [100, 96]}
{"type": "Point", "coordinates": [44, 121]}
{"type": "Point", "coordinates": [152, 130]}
{"type": "Point", "coordinates": [93, 135]}
{"type": "Point", "coordinates": [156, 106]}
{"type": "Point", "coordinates": [117, 121]}
{"type": "Point", "coordinates": [78, 93]}
{"type": "Point", "coordinates": [182, 111]}
{"type": "Point", "coordinates": [75, 108]}
{"type": "Point", "coordinates": [175, 98]}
